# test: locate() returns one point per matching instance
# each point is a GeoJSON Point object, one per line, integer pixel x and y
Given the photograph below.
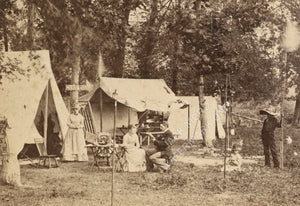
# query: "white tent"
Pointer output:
{"type": "Point", "coordinates": [179, 118]}
{"type": "Point", "coordinates": [23, 96]}
{"type": "Point", "coordinates": [211, 120]}
{"type": "Point", "coordinates": [140, 94]}
{"type": "Point", "coordinates": [206, 125]}
{"type": "Point", "coordinates": [134, 95]}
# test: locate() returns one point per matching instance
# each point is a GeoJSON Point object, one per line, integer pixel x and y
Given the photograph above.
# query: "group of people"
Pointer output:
{"type": "Point", "coordinates": [142, 159]}
{"type": "Point", "coordinates": [138, 158]}
{"type": "Point", "coordinates": [268, 141]}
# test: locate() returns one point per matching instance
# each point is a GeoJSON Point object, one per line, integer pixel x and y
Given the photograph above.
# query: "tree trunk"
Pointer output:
{"type": "Point", "coordinates": [296, 116]}
{"type": "Point", "coordinates": [117, 56]}
{"type": "Point", "coordinates": [5, 37]}
{"type": "Point", "coordinates": [149, 43]}
{"type": "Point", "coordinates": [117, 60]}
{"type": "Point", "coordinates": [76, 61]}
{"type": "Point", "coordinates": [201, 91]}
{"type": "Point", "coordinates": [30, 19]}
{"type": "Point", "coordinates": [175, 68]}
{"type": "Point", "coordinates": [11, 170]}
{"type": "Point", "coordinates": [175, 52]}
{"type": "Point", "coordinates": [174, 79]}
{"type": "Point", "coordinates": [10, 173]}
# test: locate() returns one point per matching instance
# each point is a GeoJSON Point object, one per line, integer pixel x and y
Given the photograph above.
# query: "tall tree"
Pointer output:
{"type": "Point", "coordinates": [147, 42]}
{"type": "Point", "coordinates": [8, 11]}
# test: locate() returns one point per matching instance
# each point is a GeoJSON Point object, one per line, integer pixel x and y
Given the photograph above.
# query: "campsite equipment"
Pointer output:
{"type": "Point", "coordinates": [27, 101]}
{"type": "Point", "coordinates": [43, 153]}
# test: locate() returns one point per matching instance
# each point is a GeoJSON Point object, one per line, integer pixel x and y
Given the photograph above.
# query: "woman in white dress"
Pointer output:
{"type": "Point", "coordinates": [134, 155]}
{"type": "Point", "coordinates": [74, 144]}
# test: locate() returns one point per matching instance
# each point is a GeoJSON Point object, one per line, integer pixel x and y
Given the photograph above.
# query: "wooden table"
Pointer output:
{"type": "Point", "coordinates": [147, 135]}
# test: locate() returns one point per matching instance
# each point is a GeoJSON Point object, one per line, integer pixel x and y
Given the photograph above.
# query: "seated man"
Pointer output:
{"type": "Point", "coordinates": [162, 152]}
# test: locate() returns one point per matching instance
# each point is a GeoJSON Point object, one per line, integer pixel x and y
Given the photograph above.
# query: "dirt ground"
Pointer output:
{"type": "Point", "coordinates": [194, 180]}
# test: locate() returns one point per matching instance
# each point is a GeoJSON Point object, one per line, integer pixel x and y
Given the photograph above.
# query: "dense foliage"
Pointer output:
{"type": "Point", "coordinates": [177, 40]}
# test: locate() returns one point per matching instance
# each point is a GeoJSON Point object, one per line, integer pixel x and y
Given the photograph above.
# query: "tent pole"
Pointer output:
{"type": "Point", "coordinates": [195, 129]}
{"type": "Point", "coordinates": [189, 121]}
{"type": "Point", "coordinates": [113, 154]}
{"type": "Point", "coordinates": [46, 117]}
{"type": "Point", "coordinates": [129, 112]}
{"type": "Point", "coordinates": [144, 113]}
{"type": "Point", "coordinates": [101, 110]}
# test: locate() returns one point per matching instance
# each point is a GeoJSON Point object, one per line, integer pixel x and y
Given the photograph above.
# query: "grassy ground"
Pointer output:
{"type": "Point", "coordinates": [79, 184]}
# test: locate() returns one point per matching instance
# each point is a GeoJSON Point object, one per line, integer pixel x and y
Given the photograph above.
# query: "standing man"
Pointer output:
{"type": "Point", "coordinates": [268, 138]}
{"type": "Point", "coordinates": [162, 152]}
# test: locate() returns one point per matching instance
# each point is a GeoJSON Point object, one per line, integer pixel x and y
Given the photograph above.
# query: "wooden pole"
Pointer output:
{"type": "Point", "coordinates": [198, 120]}
{"type": "Point", "coordinates": [46, 117]}
{"type": "Point", "coordinates": [101, 68]}
{"type": "Point", "coordinates": [113, 154]}
{"type": "Point", "coordinates": [201, 101]}
{"type": "Point", "coordinates": [101, 109]}
{"type": "Point", "coordinates": [282, 110]}
{"type": "Point", "coordinates": [226, 137]}
{"type": "Point", "coordinates": [129, 112]}
{"type": "Point", "coordinates": [189, 121]}
{"type": "Point", "coordinates": [229, 109]}
{"type": "Point", "coordinates": [249, 118]}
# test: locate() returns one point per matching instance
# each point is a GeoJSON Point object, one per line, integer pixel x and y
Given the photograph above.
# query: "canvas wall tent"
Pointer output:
{"type": "Point", "coordinates": [211, 119]}
{"type": "Point", "coordinates": [179, 118]}
{"type": "Point", "coordinates": [133, 96]}
{"type": "Point", "coordinates": [23, 100]}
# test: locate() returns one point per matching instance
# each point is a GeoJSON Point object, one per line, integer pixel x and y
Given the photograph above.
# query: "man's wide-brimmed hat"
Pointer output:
{"type": "Point", "coordinates": [271, 111]}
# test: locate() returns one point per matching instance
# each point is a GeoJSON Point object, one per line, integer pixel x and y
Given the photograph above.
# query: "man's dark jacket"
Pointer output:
{"type": "Point", "coordinates": [164, 142]}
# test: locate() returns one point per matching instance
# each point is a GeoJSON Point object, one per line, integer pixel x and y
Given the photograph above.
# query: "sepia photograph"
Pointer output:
{"type": "Point", "coordinates": [149, 102]}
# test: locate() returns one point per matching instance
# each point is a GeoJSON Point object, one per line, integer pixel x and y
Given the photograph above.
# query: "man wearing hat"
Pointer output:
{"type": "Point", "coordinates": [268, 138]}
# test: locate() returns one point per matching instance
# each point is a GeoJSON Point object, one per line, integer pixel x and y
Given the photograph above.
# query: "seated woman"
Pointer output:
{"type": "Point", "coordinates": [135, 156]}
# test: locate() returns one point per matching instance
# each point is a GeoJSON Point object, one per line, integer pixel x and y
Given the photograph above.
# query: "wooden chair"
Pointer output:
{"type": "Point", "coordinates": [43, 153]}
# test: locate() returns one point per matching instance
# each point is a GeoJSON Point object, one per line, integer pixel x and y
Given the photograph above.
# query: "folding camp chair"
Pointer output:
{"type": "Point", "coordinates": [121, 164]}
{"type": "Point", "coordinates": [101, 147]}
{"type": "Point", "coordinates": [43, 153]}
